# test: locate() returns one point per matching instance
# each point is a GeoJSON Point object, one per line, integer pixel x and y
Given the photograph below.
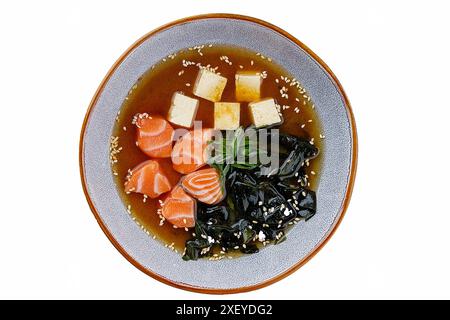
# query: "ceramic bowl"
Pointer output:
{"type": "Point", "coordinates": [334, 188]}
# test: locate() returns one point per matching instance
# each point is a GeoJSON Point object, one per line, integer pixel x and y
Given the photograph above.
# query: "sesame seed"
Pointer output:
{"type": "Point", "coordinates": [188, 84]}
{"type": "Point", "coordinates": [226, 60]}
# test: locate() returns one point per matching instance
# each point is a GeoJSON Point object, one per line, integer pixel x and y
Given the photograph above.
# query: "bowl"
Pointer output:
{"type": "Point", "coordinates": [334, 189]}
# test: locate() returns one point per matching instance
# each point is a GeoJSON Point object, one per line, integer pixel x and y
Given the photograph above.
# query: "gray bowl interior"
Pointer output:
{"type": "Point", "coordinates": [303, 238]}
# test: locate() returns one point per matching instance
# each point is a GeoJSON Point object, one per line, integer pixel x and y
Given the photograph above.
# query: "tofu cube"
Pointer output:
{"type": "Point", "coordinates": [209, 85]}
{"type": "Point", "coordinates": [264, 113]}
{"type": "Point", "coordinates": [248, 86]}
{"type": "Point", "coordinates": [183, 110]}
{"type": "Point", "coordinates": [226, 115]}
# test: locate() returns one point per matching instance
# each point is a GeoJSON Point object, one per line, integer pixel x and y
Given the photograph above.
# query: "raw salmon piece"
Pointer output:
{"type": "Point", "coordinates": [179, 208]}
{"type": "Point", "coordinates": [189, 152]}
{"type": "Point", "coordinates": [204, 185]}
{"type": "Point", "coordinates": [154, 135]}
{"type": "Point", "coordinates": [148, 178]}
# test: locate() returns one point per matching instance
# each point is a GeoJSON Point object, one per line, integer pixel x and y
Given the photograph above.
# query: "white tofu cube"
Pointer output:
{"type": "Point", "coordinates": [183, 110]}
{"type": "Point", "coordinates": [264, 113]}
{"type": "Point", "coordinates": [209, 85]}
{"type": "Point", "coordinates": [227, 115]}
{"type": "Point", "coordinates": [248, 86]}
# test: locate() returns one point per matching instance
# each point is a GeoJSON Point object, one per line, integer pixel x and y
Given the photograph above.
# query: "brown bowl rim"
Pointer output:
{"type": "Point", "coordinates": [350, 185]}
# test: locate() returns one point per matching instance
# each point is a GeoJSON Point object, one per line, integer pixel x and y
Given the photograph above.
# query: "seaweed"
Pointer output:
{"type": "Point", "coordinates": [258, 207]}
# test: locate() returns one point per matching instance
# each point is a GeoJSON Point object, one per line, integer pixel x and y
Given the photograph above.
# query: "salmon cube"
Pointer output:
{"type": "Point", "coordinates": [179, 208]}
{"type": "Point", "coordinates": [190, 151]}
{"type": "Point", "coordinates": [205, 185]}
{"type": "Point", "coordinates": [154, 135]}
{"type": "Point", "coordinates": [148, 178]}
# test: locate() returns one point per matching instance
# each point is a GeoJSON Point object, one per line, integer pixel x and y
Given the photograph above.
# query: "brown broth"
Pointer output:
{"type": "Point", "coordinates": [153, 93]}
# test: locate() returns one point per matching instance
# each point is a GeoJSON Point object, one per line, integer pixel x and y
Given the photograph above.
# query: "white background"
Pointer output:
{"type": "Point", "coordinates": [392, 58]}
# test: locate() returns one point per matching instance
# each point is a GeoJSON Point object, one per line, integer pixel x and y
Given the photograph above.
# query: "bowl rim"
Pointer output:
{"type": "Point", "coordinates": [351, 181]}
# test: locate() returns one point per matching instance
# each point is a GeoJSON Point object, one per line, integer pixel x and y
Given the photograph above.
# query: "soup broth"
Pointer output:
{"type": "Point", "coordinates": [152, 94]}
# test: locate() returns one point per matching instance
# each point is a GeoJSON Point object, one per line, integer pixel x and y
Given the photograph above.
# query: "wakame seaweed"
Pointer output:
{"type": "Point", "coordinates": [258, 207]}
